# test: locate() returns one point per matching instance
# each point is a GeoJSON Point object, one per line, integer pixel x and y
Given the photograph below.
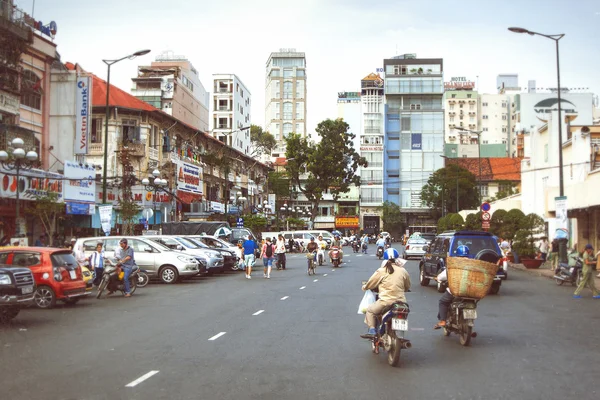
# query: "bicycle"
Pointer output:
{"type": "Point", "coordinates": [312, 265]}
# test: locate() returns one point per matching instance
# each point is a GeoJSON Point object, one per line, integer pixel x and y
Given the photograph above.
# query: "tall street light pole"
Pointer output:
{"type": "Point", "coordinates": [478, 133]}
{"type": "Point", "coordinates": [109, 63]}
{"type": "Point", "coordinates": [155, 186]}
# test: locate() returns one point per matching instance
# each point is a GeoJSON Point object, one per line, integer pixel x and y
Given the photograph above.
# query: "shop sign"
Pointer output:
{"type": "Point", "coordinates": [347, 222]}
{"type": "Point", "coordinates": [459, 82]}
{"type": "Point", "coordinates": [189, 178]}
{"type": "Point", "coordinates": [80, 185]}
{"type": "Point", "coordinates": [48, 30]}
{"type": "Point", "coordinates": [9, 104]}
{"type": "Point", "coordinates": [371, 148]}
{"type": "Point", "coordinates": [82, 117]}
{"type": "Point", "coordinates": [31, 185]}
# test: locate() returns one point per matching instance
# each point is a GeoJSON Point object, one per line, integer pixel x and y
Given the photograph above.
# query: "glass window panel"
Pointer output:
{"type": "Point", "coordinates": [405, 141]}
{"type": "Point", "coordinates": [416, 122]}
{"type": "Point", "coordinates": [416, 160]}
{"type": "Point", "coordinates": [428, 163]}
{"type": "Point", "coordinates": [405, 162]}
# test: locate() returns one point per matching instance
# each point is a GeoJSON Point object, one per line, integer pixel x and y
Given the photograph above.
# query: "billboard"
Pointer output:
{"type": "Point", "coordinates": [535, 108]}
{"type": "Point", "coordinates": [189, 178]}
{"type": "Point", "coordinates": [81, 185]}
{"type": "Point", "coordinates": [32, 184]}
{"type": "Point", "coordinates": [82, 114]}
{"type": "Point", "coordinates": [416, 141]}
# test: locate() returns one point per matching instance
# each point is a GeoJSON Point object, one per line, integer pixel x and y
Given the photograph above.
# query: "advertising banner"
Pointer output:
{"type": "Point", "coordinates": [81, 184]}
{"type": "Point", "coordinates": [82, 114]}
{"type": "Point", "coordinates": [32, 184]}
{"type": "Point", "coordinates": [105, 218]}
{"type": "Point", "coordinates": [416, 141]}
{"type": "Point", "coordinates": [79, 208]}
{"type": "Point", "coordinates": [189, 178]}
{"type": "Point", "coordinates": [217, 207]}
{"type": "Point", "coordinates": [562, 221]}
{"type": "Point", "coordinates": [347, 222]}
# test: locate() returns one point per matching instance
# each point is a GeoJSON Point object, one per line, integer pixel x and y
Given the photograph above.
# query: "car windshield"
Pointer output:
{"type": "Point", "coordinates": [187, 243]}
{"type": "Point", "coordinates": [159, 246]}
{"type": "Point", "coordinates": [475, 244]}
{"type": "Point", "coordinates": [198, 243]}
{"type": "Point", "coordinates": [63, 260]}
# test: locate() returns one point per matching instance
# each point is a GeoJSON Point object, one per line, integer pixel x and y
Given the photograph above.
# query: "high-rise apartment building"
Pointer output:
{"type": "Point", "coordinates": [461, 111]}
{"type": "Point", "coordinates": [285, 96]}
{"type": "Point", "coordinates": [231, 112]}
{"type": "Point", "coordinates": [171, 83]}
{"type": "Point", "coordinates": [414, 138]}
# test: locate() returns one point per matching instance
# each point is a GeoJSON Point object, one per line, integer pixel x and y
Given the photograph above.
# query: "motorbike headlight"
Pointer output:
{"type": "Point", "coordinates": [5, 279]}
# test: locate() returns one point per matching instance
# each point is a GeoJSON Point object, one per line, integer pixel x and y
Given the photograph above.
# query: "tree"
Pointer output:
{"type": "Point", "coordinates": [48, 211]}
{"type": "Point", "coordinates": [327, 166]}
{"type": "Point", "coordinates": [497, 224]}
{"type": "Point", "coordinates": [512, 223]}
{"type": "Point", "coordinates": [129, 211]}
{"type": "Point", "coordinates": [530, 226]}
{"type": "Point", "coordinates": [441, 189]}
{"type": "Point", "coordinates": [455, 221]}
{"type": "Point", "coordinates": [442, 224]}
{"type": "Point", "coordinates": [255, 223]}
{"type": "Point", "coordinates": [279, 184]}
{"type": "Point", "coordinates": [391, 217]}
{"type": "Point", "coordinates": [507, 188]}
{"type": "Point", "coordinates": [262, 142]}
{"type": "Point", "coordinates": [473, 222]}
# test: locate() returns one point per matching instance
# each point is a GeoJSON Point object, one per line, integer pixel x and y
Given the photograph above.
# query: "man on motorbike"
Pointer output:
{"type": "Point", "coordinates": [446, 300]}
{"type": "Point", "coordinates": [312, 245]}
{"type": "Point", "coordinates": [337, 243]}
{"type": "Point", "coordinates": [124, 256]}
{"type": "Point", "coordinates": [391, 280]}
{"type": "Point", "coordinates": [380, 242]}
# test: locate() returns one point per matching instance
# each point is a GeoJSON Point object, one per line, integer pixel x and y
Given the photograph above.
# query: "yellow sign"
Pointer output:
{"type": "Point", "coordinates": [347, 222]}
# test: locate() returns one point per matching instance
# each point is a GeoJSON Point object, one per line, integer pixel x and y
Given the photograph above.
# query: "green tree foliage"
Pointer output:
{"type": "Point", "coordinates": [442, 187]}
{"type": "Point", "coordinates": [455, 222]}
{"type": "Point", "coordinates": [391, 217]}
{"type": "Point", "coordinates": [128, 210]}
{"type": "Point", "coordinates": [262, 141]}
{"type": "Point", "coordinates": [442, 224]}
{"type": "Point", "coordinates": [256, 223]}
{"type": "Point", "coordinates": [530, 226]}
{"type": "Point", "coordinates": [512, 223]}
{"type": "Point", "coordinates": [508, 188]}
{"type": "Point", "coordinates": [49, 211]}
{"type": "Point", "coordinates": [497, 224]}
{"type": "Point", "coordinates": [473, 222]}
{"type": "Point", "coordinates": [296, 223]}
{"type": "Point", "coordinates": [329, 165]}
{"type": "Point", "coordinates": [279, 184]}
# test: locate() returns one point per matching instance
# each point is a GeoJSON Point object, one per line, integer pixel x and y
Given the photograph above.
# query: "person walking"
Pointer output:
{"type": "Point", "coordinates": [554, 253]}
{"type": "Point", "coordinates": [124, 256]}
{"type": "Point", "coordinates": [587, 274]}
{"type": "Point", "coordinates": [280, 252]}
{"type": "Point", "coordinates": [544, 248]}
{"type": "Point", "coordinates": [97, 263]}
{"type": "Point", "coordinates": [249, 258]}
{"type": "Point", "coordinates": [266, 253]}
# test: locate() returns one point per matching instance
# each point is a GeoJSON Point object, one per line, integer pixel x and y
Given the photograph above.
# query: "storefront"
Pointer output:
{"type": "Point", "coordinates": [348, 225]}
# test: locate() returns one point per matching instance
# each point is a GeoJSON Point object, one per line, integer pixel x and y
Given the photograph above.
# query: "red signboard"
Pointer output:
{"type": "Point", "coordinates": [485, 225]}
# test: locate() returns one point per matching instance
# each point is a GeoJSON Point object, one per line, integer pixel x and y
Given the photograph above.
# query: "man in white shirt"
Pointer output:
{"type": "Point", "coordinates": [97, 263]}
{"type": "Point", "coordinates": [280, 252]}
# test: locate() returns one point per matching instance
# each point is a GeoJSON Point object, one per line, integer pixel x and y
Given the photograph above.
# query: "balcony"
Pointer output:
{"type": "Point", "coordinates": [223, 90]}
{"type": "Point", "coordinates": [223, 126]}
{"type": "Point", "coordinates": [134, 149]}
{"type": "Point", "coordinates": [153, 153]}
{"type": "Point", "coordinates": [95, 149]}
{"type": "Point", "coordinates": [373, 130]}
{"type": "Point", "coordinates": [12, 19]}
{"type": "Point", "coordinates": [225, 108]}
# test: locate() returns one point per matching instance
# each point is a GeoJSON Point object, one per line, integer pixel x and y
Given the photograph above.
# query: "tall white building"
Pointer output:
{"type": "Point", "coordinates": [496, 125]}
{"type": "Point", "coordinates": [285, 96]}
{"type": "Point", "coordinates": [231, 102]}
{"type": "Point", "coordinates": [349, 109]}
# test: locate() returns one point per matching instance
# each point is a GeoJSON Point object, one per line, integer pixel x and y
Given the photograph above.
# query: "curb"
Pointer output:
{"type": "Point", "coordinates": [546, 273]}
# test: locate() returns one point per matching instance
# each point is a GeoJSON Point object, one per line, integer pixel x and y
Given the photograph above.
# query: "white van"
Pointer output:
{"type": "Point", "coordinates": [304, 236]}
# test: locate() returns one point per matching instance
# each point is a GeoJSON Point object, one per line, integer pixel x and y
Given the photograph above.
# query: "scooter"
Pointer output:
{"type": "Point", "coordinates": [572, 275]}
{"type": "Point", "coordinates": [320, 256]}
{"type": "Point", "coordinates": [379, 252]}
{"type": "Point", "coordinates": [364, 247]}
{"type": "Point", "coordinates": [142, 278]}
{"type": "Point", "coordinates": [461, 319]}
{"type": "Point", "coordinates": [355, 246]}
{"type": "Point", "coordinates": [334, 254]}
{"type": "Point", "coordinates": [113, 281]}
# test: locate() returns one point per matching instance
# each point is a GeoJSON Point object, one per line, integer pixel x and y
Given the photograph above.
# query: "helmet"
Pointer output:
{"type": "Point", "coordinates": [312, 238]}
{"type": "Point", "coordinates": [462, 251]}
{"type": "Point", "coordinates": [390, 254]}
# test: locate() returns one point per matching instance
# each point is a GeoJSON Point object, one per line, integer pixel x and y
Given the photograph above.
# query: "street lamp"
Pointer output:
{"type": "Point", "coordinates": [107, 116]}
{"type": "Point", "coordinates": [20, 160]}
{"type": "Point", "coordinates": [156, 185]}
{"type": "Point", "coordinates": [556, 38]}
{"type": "Point", "coordinates": [478, 133]}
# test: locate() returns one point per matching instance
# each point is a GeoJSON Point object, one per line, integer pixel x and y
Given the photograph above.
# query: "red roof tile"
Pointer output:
{"type": "Point", "coordinates": [492, 169]}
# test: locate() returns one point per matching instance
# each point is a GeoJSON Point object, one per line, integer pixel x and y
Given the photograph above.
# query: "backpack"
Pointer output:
{"type": "Point", "coordinates": [269, 250]}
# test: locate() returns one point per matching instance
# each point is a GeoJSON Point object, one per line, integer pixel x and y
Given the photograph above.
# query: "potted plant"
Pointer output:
{"type": "Point", "coordinates": [420, 71]}
{"type": "Point", "coordinates": [429, 71]}
{"type": "Point", "coordinates": [524, 241]}
{"type": "Point", "coordinates": [413, 71]}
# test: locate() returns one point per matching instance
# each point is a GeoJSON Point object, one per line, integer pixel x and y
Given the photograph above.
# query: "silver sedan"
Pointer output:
{"type": "Point", "coordinates": [414, 248]}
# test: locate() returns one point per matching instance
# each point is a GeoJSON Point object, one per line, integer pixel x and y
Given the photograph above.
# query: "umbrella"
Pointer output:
{"type": "Point", "coordinates": [223, 231]}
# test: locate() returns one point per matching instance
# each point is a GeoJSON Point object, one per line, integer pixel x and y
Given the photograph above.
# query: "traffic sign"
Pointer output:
{"type": "Point", "coordinates": [240, 222]}
{"type": "Point", "coordinates": [485, 206]}
{"type": "Point", "coordinates": [485, 216]}
{"type": "Point", "coordinates": [485, 225]}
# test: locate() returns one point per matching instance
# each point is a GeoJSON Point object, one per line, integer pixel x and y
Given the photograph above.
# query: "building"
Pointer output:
{"type": "Point", "coordinates": [285, 96]}
{"type": "Point", "coordinates": [414, 137]}
{"type": "Point", "coordinates": [171, 84]}
{"type": "Point", "coordinates": [507, 82]}
{"type": "Point", "coordinates": [231, 102]}
{"type": "Point", "coordinates": [497, 126]}
{"type": "Point", "coordinates": [461, 111]}
{"type": "Point", "coordinates": [349, 109]}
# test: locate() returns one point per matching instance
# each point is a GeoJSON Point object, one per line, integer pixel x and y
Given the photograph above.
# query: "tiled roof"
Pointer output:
{"type": "Point", "coordinates": [279, 161]}
{"type": "Point", "coordinates": [372, 77]}
{"type": "Point", "coordinates": [492, 169]}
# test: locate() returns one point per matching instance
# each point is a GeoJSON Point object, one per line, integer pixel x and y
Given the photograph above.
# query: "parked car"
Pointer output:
{"type": "Point", "coordinates": [55, 271]}
{"type": "Point", "coordinates": [156, 259]}
{"type": "Point", "coordinates": [227, 250]}
{"type": "Point", "coordinates": [88, 278]}
{"type": "Point", "coordinates": [17, 288]}
{"type": "Point", "coordinates": [414, 248]}
{"type": "Point", "coordinates": [482, 246]}
{"type": "Point", "coordinates": [212, 260]}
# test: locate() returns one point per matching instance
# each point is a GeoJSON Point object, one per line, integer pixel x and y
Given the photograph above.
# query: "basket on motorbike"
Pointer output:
{"type": "Point", "coordinates": [470, 278]}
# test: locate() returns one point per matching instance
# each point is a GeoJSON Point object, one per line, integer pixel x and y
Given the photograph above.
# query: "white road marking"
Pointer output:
{"type": "Point", "coordinates": [359, 255]}
{"type": "Point", "coordinates": [303, 287]}
{"type": "Point", "coordinates": [324, 274]}
{"type": "Point", "coordinates": [316, 280]}
{"type": "Point", "coordinates": [142, 378]}
{"type": "Point", "coordinates": [417, 329]}
{"type": "Point", "coordinates": [333, 270]}
{"type": "Point", "coordinates": [259, 312]}
{"type": "Point", "coordinates": [218, 335]}
{"type": "Point", "coordinates": [285, 297]}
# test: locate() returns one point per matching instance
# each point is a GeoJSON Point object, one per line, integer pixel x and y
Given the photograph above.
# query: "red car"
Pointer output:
{"type": "Point", "coordinates": [55, 271]}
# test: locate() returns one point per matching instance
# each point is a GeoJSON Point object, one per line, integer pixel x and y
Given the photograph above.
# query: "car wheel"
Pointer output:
{"type": "Point", "coordinates": [422, 280]}
{"type": "Point", "coordinates": [44, 297]}
{"type": "Point", "coordinates": [169, 274]}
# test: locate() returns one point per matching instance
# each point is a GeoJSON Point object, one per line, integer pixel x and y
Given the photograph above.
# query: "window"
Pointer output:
{"type": "Point", "coordinates": [300, 89]}
{"type": "Point", "coordinates": [471, 107]}
{"type": "Point", "coordinates": [485, 129]}
{"type": "Point", "coordinates": [288, 90]}
{"type": "Point", "coordinates": [484, 190]}
{"type": "Point", "coordinates": [287, 129]}
{"type": "Point", "coordinates": [503, 104]}
{"type": "Point", "coordinates": [451, 119]}
{"type": "Point", "coordinates": [31, 96]}
{"type": "Point", "coordinates": [130, 130]}
{"type": "Point", "coordinates": [288, 73]}
{"type": "Point", "coordinates": [484, 104]}
{"type": "Point", "coordinates": [26, 259]}
{"type": "Point", "coordinates": [451, 107]}
{"type": "Point", "coordinates": [374, 159]}
{"type": "Point", "coordinates": [504, 117]}
{"type": "Point", "coordinates": [96, 131]}
{"type": "Point", "coordinates": [484, 117]}
{"type": "Point", "coordinates": [300, 110]}
{"type": "Point", "coordinates": [504, 129]}
{"type": "Point", "coordinates": [469, 96]}
{"type": "Point", "coordinates": [287, 110]}
{"type": "Point", "coordinates": [453, 96]}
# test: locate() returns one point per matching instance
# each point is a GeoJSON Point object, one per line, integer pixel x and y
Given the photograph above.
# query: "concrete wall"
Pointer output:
{"type": "Point", "coordinates": [62, 117]}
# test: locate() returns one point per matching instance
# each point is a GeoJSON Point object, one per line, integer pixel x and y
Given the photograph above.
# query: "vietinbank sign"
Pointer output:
{"type": "Point", "coordinates": [536, 108]}
{"type": "Point", "coordinates": [82, 117]}
{"type": "Point", "coordinates": [546, 106]}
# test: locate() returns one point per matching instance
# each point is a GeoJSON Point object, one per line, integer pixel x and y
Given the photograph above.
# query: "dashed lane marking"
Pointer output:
{"type": "Point", "coordinates": [417, 329]}
{"type": "Point", "coordinates": [285, 297]}
{"type": "Point", "coordinates": [324, 274]}
{"type": "Point", "coordinates": [142, 378]}
{"type": "Point", "coordinates": [316, 280]}
{"type": "Point", "coordinates": [259, 312]}
{"type": "Point", "coordinates": [218, 335]}
{"type": "Point", "coordinates": [303, 287]}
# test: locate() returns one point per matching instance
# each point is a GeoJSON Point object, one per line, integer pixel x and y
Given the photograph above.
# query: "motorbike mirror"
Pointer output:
{"type": "Point", "coordinates": [148, 249]}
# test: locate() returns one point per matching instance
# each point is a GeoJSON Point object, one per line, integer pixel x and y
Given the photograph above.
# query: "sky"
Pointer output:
{"type": "Point", "coordinates": [344, 40]}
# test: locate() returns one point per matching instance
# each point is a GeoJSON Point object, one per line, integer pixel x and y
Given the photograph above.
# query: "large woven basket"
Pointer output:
{"type": "Point", "coordinates": [470, 278]}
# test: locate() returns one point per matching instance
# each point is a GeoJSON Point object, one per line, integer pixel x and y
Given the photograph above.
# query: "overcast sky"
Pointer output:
{"type": "Point", "coordinates": [344, 40]}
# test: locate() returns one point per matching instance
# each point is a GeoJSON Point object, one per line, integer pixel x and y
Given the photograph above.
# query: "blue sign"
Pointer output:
{"type": "Point", "coordinates": [240, 222]}
{"type": "Point", "coordinates": [78, 208]}
{"type": "Point", "coordinates": [416, 141]}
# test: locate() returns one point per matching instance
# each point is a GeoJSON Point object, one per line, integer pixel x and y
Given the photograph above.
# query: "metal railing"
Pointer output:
{"type": "Point", "coordinates": [153, 153]}
{"type": "Point", "coordinates": [224, 108]}
{"type": "Point", "coordinates": [95, 148]}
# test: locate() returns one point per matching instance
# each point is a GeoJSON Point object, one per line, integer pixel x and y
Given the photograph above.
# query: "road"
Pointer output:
{"type": "Point", "coordinates": [297, 337]}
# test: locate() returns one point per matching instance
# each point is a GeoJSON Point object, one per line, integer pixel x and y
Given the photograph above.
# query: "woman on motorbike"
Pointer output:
{"type": "Point", "coordinates": [391, 280]}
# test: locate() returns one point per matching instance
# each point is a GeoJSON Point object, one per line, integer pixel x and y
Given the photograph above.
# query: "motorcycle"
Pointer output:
{"type": "Point", "coordinates": [334, 254]}
{"type": "Point", "coordinates": [142, 278]}
{"type": "Point", "coordinates": [573, 275]}
{"type": "Point", "coordinates": [391, 327]}
{"type": "Point", "coordinates": [355, 246]}
{"type": "Point", "coordinates": [379, 252]}
{"type": "Point", "coordinates": [112, 280]}
{"type": "Point", "coordinates": [320, 256]}
{"type": "Point", "coordinates": [365, 246]}
{"type": "Point", "coordinates": [461, 319]}
{"type": "Point", "coordinates": [312, 264]}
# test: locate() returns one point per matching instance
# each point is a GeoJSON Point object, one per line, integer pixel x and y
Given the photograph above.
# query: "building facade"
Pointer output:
{"type": "Point", "coordinates": [285, 96]}
{"type": "Point", "coordinates": [461, 112]}
{"type": "Point", "coordinates": [414, 135]}
{"type": "Point", "coordinates": [171, 84]}
{"type": "Point", "coordinates": [231, 102]}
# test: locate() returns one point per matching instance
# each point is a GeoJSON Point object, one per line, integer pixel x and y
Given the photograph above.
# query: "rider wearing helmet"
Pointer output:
{"type": "Point", "coordinates": [391, 280]}
{"type": "Point", "coordinates": [312, 246]}
{"type": "Point", "coordinates": [446, 300]}
{"type": "Point", "coordinates": [337, 243]}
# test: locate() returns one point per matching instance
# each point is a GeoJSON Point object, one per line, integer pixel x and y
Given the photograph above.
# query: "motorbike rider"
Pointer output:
{"type": "Point", "coordinates": [337, 243]}
{"type": "Point", "coordinates": [312, 245]}
{"type": "Point", "coordinates": [446, 300]}
{"type": "Point", "coordinates": [380, 242]}
{"type": "Point", "coordinates": [322, 246]}
{"type": "Point", "coordinates": [391, 281]}
{"type": "Point", "coordinates": [364, 243]}
{"type": "Point", "coordinates": [124, 256]}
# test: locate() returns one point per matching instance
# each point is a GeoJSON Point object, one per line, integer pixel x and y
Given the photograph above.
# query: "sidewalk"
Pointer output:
{"type": "Point", "coordinates": [547, 272]}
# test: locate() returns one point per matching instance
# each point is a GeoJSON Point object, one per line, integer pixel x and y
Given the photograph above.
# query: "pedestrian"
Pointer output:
{"type": "Point", "coordinates": [544, 248]}
{"type": "Point", "coordinates": [266, 253]}
{"type": "Point", "coordinates": [40, 241]}
{"type": "Point", "coordinates": [79, 254]}
{"type": "Point", "coordinates": [249, 258]}
{"type": "Point", "coordinates": [97, 263]}
{"type": "Point", "coordinates": [72, 244]}
{"type": "Point", "coordinates": [587, 276]}
{"type": "Point", "coordinates": [291, 244]}
{"type": "Point", "coordinates": [124, 255]}
{"type": "Point", "coordinates": [554, 253]}
{"type": "Point", "coordinates": [280, 252]}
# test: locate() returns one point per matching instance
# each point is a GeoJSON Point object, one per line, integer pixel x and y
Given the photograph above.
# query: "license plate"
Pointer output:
{"type": "Point", "coordinates": [470, 313]}
{"type": "Point", "coordinates": [27, 290]}
{"type": "Point", "coordinates": [399, 324]}
{"type": "Point", "coordinates": [73, 274]}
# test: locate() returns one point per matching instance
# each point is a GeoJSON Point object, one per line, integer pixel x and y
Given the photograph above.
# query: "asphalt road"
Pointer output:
{"type": "Point", "coordinates": [297, 337]}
